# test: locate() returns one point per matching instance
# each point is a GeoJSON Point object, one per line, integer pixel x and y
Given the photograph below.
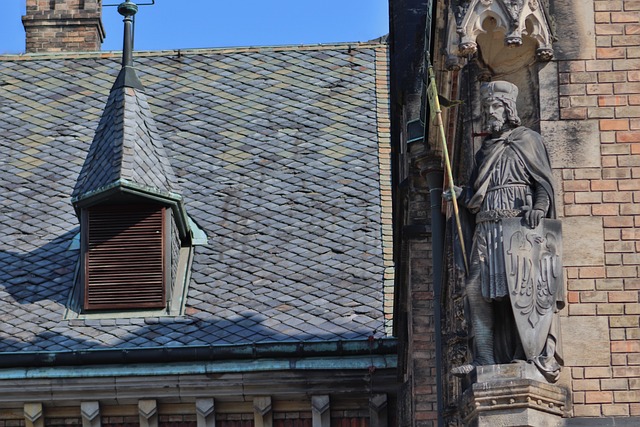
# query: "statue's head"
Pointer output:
{"type": "Point", "coordinates": [499, 105]}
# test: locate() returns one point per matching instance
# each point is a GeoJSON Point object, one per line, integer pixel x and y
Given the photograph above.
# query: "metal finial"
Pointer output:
{"type": "Point", "coordinates": [128, 9]}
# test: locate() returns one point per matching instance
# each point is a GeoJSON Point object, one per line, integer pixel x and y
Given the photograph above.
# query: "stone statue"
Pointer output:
{"type": "Point", "coordinates": [514, 287]}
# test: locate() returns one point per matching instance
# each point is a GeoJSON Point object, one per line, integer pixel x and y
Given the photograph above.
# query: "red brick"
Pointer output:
{"type": "Point", "coordinates": [617, 197]}
{"type": "Point", "coordinates": [630, 136]}
{"type": "Point", "coordinates": [621, 271]}
{"type": "Point", "coordinates": [587, 411]}
{"type": "Point", "coordinates": [588, 197]}
{"type": "Point", "coordinates": [586, 385]}
{"type": "Point", "coordinates": [629, 184]}
{"type": "Point", "coordinates": [627, 396]}
{"type": "Point", "coordinates": [579, 185]}
{"type": "Point", "coordinates": [573, 297]}
{"type": "Point", "coordinates": [598, 397]}
{"type": "Point", "coordinates": [610, 29]}
{"type": "Point", "coordinates": [609, 309]}
{"type": "Point", "coordinates": [618, 221]}
{"type": "Point", "coordinates": [598, 65]}
{"type": "Point", "coordinates": [610, 52]}
{"type": "Point", "coordinates": [615, 410]}
{"type": "Point", "coordinates": [577, 210]}
{"type": "Point", "coordinates": [625, 64]}
{"type": "Point", "coordinates": [592, 272]}
{"type": "Point", "coordinates": [580, 284]}
{"type": "Point", "coordinates": [578, 113]}
{"type": "Point", "coordinates": [602, 17]}
{"type": "Point", "coordinates": [632, 29]}
{"type": "Point", "coordinates": [623, 296]}
{"type": "Point", "coordinates": [625, 347]}
{"type": "Point", "coordinates": [612, 101]}
{"type": "Point", "coordinates": [600, 113]}
{"type": "Point", "coordinates": [614, 124]}
{"type": "Point", "coordinates": [608, 209]}
{"type": "Point", "coordinates": [629, 88]}
{"type": "Point", "coordinates": [582, 309]}
{"type": "Point", "coordinates": [626, 40]}
{"type": "Point", "coordinates": [612, 77]}
{"type": "Point", "coordinates": [598, 372]}
{"type": "Point", "coordinates": [604, 5]}
{"type": "Point", "coordinates": [624, 17]}
{"type": "Point", "coordinates": [602, 185]}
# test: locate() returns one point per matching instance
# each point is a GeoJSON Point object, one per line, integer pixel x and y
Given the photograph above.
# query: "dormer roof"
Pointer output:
{"type": "Point", "coordinates": [126, 151]}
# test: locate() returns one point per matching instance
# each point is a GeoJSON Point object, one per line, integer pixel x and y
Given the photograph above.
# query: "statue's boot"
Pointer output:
{"type": "Point", "coordinates": [482, 322]}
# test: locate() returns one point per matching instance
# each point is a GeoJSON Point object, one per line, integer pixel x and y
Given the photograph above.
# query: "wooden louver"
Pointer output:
{"type": "Point", "coordinates": [124, 258]}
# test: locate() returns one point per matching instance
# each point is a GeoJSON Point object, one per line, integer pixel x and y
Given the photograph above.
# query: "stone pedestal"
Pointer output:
{"type": "Point", "coordinates": [512, 395]}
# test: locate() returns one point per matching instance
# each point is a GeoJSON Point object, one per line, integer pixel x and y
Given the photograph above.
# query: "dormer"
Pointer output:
{"type": "Point", "coordinates": [135, 235]}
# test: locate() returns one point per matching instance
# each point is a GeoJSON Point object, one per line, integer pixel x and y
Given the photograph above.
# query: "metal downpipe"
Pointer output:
{"type": "Point", "coordinates": [435, 175]}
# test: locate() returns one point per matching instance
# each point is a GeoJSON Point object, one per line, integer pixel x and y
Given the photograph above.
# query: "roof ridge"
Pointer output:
{"type": "Point", "coordinates": [197, 51]}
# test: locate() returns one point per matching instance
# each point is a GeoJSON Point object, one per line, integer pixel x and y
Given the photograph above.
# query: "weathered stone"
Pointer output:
{"type": "Point", "coordinates": [572, 143]}
{"type": "Point", "coordinates": [513, 395]}
{"type": "Point", "coordinates": [576, 38]}
{"type": "Point", "coordinates": [586, 341]}
{"type": "Point", "coordinates": [585, 237]}
{"type": "Point", "coordinates": [548, 84]}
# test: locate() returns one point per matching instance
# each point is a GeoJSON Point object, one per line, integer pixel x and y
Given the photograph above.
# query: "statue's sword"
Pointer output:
{"type": "Point", "coordinates": [436, 112]}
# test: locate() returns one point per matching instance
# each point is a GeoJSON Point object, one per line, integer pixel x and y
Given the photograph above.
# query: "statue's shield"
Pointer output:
{"type": "Point", "coordinates": [534, 274]}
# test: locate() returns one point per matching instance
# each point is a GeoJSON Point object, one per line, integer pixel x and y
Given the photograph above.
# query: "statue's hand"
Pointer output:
{"type": "Point", "coordinates": [533, 217]}
{"type": "Point", "coordinates": [447, 194]}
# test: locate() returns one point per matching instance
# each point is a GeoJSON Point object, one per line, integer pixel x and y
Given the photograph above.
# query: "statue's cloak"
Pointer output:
{"type": "Point", "coordinates": [529, 146]}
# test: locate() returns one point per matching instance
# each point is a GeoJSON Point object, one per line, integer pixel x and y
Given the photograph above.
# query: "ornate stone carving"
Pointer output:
{"type": "Point", "coordinates": [514, 18]}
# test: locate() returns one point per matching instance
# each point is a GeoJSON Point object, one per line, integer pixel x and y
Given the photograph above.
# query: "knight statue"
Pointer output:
{"type": "Point", "coordinates": [514, 287]}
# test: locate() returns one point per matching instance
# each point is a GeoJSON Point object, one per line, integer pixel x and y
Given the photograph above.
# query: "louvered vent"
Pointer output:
{"type": "Point", "coordinates": [124, 257]}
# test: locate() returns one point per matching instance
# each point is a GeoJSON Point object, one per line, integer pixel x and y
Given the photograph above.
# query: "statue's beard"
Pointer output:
{"type": "Point", "coordinates": [494, 124]}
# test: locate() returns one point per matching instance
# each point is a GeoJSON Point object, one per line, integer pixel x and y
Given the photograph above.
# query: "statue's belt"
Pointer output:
{"type": "Point", "coordinates": [498, 214]}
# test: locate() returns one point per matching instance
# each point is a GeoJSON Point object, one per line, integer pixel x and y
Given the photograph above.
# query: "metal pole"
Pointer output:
{"type": "Point", "coordinates": [437, 112]}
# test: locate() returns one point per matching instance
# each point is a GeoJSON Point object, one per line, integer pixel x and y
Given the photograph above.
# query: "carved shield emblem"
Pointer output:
{"type": "Point", "coordinates": [534, 275]}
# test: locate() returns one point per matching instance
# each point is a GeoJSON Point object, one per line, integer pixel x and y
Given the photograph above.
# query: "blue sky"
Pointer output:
{"type": "Point", "coordinates": [175, 24]}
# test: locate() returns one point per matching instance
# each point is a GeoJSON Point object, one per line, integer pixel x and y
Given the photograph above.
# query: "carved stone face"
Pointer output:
{"type": "Point", "coordinates": [495, 114]}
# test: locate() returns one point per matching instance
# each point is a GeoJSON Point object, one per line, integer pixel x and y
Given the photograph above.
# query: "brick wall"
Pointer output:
{"type": "Point", "coordinates": [607, 90]}
{"type": "Point", "coordinates": [63, 25]}
{"type": "Point", "coordinates": [422, 351]}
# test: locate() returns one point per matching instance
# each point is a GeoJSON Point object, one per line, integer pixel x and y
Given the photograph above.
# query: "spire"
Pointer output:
{"type": "Point", "coordinates": [127, 156]}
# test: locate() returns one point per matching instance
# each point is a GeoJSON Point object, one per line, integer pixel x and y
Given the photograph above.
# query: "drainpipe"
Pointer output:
{"type": "Point", "coordinates": [434, 174]}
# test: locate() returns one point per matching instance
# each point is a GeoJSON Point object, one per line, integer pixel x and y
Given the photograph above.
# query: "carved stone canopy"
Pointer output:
{"type": "Point", "coordinates": [515, 18]}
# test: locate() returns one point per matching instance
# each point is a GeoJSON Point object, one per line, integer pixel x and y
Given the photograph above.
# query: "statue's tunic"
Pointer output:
{"type": "Point", "coordinates": [513, 174]}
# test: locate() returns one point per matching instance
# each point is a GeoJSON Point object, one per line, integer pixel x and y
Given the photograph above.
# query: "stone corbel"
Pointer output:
{"type": "Point", "coordinates": [262, 414]}
{"type": "Point", "coordinates": [148, 412]}
{"type": "Point", "coordinates": [378, 410]}
{"type": "Point", "coordinates": [90, 412]}
{"type": "Point", "coordinates": [321, 415]}
{"type": "Point", "coordinates": [516, 18]}
{"type": "Point", "coordinates": [33, 415]}
{"type": "Point", "coordinates": [206, 412]}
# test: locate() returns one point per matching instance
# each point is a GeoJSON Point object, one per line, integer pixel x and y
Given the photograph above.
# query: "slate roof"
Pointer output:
{"type": "Point", "coordinates": [280, 158]}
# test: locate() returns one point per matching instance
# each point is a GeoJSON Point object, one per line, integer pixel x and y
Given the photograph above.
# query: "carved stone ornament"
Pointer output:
{"type": "Point", "coordinates": [516, 18]}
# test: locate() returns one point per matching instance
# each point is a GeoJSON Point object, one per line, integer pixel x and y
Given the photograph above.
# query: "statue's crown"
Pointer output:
{"type": "Point", "coordinates": [499, 89]}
